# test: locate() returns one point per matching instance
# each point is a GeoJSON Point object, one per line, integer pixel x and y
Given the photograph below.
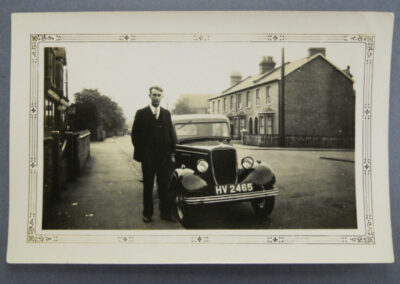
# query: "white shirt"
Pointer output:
{"type": "Point", "coordinates": [155, 110]}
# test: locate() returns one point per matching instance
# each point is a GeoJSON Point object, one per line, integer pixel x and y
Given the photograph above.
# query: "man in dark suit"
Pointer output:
{"type": "Point", "coordinates": [154, 139]}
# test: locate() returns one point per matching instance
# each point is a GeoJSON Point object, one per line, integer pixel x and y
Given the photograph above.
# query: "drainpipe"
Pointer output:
{"type": "Point", "coordinates": [282, 101]}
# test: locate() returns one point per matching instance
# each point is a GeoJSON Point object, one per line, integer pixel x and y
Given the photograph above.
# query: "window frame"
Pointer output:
{"type": "Point", "coordinates": [239, 102]}
{"type": "Point", "coordinates": [269, 122]}
{"type": "Point", "coordinates": [257, 97]}
{"type": "Point", "coordinates": [268, 95]}
{"type": "Point", "coordinates": [248, 99]}
{"type": "Point", "coordinates": [225, 104]}
{"type": "Point", "coordinates": [262, 124]}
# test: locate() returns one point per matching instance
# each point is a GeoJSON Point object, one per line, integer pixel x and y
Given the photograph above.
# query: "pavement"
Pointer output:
{"type": "Point", "coordinates": [108, 195]}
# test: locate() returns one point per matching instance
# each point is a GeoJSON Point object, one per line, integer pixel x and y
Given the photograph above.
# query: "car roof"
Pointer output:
{"type": "Point", "coordinates": [199, 118]}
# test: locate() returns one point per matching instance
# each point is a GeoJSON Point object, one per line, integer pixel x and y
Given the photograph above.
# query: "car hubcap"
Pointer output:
{"type": "Point", "coordinates": [262, 204]}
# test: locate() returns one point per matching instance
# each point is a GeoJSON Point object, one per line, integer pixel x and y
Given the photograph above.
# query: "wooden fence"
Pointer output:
{"type": "Point", "coordinates": [64, 157]}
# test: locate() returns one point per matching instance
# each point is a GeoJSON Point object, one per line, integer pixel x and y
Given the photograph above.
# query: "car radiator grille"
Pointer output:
{"type": "Point", "coordinates": [224, 165]}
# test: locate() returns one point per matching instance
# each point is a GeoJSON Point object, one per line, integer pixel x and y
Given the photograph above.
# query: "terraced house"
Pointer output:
{"type": "Point", "coordinates": [316, 109]}
{"type": "Point", "coordinates": [64, 152]}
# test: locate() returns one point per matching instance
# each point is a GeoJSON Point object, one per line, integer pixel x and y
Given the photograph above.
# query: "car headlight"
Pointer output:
{"type": "Point", "coordinates": [247, 162]}
{"type": "Point", "coordinates": [202, 166]}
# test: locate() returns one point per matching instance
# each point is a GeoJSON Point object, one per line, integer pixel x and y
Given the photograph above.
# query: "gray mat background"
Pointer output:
{"type": "Point", "coordinates": [373, 273]}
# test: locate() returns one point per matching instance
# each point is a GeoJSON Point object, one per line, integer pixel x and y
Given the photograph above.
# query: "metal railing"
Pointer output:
{"type": "Point", "coordinates": [271, 140]}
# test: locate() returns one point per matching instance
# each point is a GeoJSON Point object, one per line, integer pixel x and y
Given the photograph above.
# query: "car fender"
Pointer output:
{"type": "Point", "coordinates": [189, 180]}
{"type": "Point", "coordinates": [260, 174]}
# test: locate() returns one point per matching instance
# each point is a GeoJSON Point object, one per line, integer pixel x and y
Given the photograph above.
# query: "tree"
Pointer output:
{"type": "Point", "coordinates": [94, 109]}
{"type": "Point", "coordinates": [182, 106]}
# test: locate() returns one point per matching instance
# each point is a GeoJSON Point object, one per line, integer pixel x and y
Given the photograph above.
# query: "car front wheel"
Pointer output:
{"type": "Point", "coordinates": [182, 212]}
{"type": "Point", "coordinates": [263, 207]}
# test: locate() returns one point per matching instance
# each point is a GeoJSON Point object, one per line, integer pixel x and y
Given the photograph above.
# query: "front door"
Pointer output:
{"type": "Point", "coordinates": [237, 130]}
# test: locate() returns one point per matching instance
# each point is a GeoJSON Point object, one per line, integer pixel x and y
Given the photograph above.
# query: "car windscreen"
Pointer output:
{"type": "Point", "coordinates": [188, 130]}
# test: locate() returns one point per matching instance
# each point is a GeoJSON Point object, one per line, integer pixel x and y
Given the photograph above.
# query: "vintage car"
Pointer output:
{"type": "Point", "coordinates": [207, 169]}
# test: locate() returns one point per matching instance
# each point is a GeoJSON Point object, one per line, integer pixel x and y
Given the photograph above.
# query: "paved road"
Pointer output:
{"type": "Point", "coordinates": [317, 191]}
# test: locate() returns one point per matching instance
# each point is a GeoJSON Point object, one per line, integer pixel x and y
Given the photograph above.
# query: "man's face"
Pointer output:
{"type": "Point", "coordinates": [155, 97]}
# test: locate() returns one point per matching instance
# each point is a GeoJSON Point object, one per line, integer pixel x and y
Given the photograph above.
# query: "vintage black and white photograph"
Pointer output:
{"type": "Point", "coordinates": [200, 135]}
{"type": "Point", "coordinates": [221, 140]}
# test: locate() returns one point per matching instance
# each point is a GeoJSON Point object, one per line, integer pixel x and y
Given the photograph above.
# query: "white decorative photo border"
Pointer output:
{"type": "Point", "coordinates": [35, 235]}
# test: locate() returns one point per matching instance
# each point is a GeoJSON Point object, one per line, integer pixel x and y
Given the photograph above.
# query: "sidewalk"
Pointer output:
{"type": "Point", "coordinates": [108, 195]}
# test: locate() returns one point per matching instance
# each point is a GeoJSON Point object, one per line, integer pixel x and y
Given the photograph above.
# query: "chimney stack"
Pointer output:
{"type": "Point", "coordinates": [347, 71]}
{"type": "Point", "coordinates": [267, 64]}
{"type": "Point", "coordinates": [314, 50]}
{"type": "Point", "coordinates": [236, 77]}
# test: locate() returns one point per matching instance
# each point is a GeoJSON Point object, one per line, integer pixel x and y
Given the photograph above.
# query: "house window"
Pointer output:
{"type": "Point", "coordinates": [257, 97]}
{"type": "Point", "coordinates": [240, 101]}
{"type": "Point", "coordinates": [53, 71]}
{"type": "Point", "coordinates": [262, 125]}
{"type": "Point", "coordinates": [267, 95]}
{"type": "Point", "coordinates": [59, 76]}
{"type": "Point", "coordinates": [219, 106]}
{"type": "Point", "coordinates": [231, 102]}
{"type": "Point", "coordinates": [213, 107]}
{"type": "Point", "coordinates": [248, 101]}
{"type": "Point", "coordinates": [269, 123]}
{"type": "Point", "coordinates": [225, 102]}
{"type": "Point", "coordinates": [49, 118]}
{"type": "Point", "coordinates": [51, 68]}
{"type": "Point", "coordinates": [256, 125]}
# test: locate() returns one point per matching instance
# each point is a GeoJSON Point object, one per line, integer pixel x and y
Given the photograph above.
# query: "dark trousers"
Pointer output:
{"type": "Point", "coordinates": [162, 170]}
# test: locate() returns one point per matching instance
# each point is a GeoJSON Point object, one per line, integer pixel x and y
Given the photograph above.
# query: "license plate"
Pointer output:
{"type": "Point", "coordinates": [233, 188]}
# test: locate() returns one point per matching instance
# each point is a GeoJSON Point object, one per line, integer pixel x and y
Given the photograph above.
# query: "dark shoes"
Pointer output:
{"type": "Point", "coordinates": [146, 219]}
{"type": "Point", "coordinates": [165, 217]}
{"type": "Point", "coordinates": [168, 217]}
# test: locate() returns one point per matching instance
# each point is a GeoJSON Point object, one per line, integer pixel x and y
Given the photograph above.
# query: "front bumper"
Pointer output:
{"type": "Point", "coordinates": [230, 197]}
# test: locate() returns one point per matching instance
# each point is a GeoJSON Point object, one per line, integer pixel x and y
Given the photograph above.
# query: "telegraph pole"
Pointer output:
{"type": "Point", "coordinates": [282, 101]}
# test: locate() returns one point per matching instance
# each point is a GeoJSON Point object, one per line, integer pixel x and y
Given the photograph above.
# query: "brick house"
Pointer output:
{"type": "Point", "coordinates": [55, 111]}
{"type": "Point", "coordinates": [319, 103]}
{"type": "Point", "coordinates": [64, 153]}
{"type": "Point", "coordinates": [55, 89]}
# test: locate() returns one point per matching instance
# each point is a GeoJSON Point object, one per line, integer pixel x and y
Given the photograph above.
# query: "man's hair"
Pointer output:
{"type": "Point", "coordinates": [155, 87]}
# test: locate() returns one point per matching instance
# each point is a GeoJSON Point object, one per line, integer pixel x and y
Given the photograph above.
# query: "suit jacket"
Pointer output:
{"type": "Point", "coordinates": [140, 132]}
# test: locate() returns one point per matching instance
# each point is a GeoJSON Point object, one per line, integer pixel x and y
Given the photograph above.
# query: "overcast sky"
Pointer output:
{"type": "Point", "coordinates": [125, 71]}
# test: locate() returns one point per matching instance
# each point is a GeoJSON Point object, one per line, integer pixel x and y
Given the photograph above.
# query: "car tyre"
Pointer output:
{"type": "Point", "coordinates": [182, 212]}
{"type": "Point", "coordinates": [263, 207]}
